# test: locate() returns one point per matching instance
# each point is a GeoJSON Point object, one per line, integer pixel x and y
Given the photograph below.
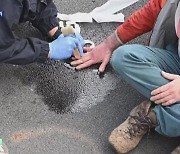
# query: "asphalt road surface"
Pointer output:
{"type": "Point", "coordinates": [50, 109]}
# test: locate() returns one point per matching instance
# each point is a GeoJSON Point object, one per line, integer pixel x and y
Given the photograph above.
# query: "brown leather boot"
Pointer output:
{"type": "Point", "coordinates": [176, 151]}
{"type": "Point", "coordinates": [127, 135]}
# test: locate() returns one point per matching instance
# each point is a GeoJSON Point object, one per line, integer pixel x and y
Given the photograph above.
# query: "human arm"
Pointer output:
{"type": "Point", "coordinates": [100, 54]}
{"type": "Point", "coordinates": [52, 31]}
{"type": "Point", "coordinates": [24, 51]}
{"type": "Point", "coordinates": [63, 47]}
{"type": "Point", "coordinates": [15, 50]}
{"type": "Point", "coordinates": [169, 93]}
{"type": "Point", "coordinates": [141, 21]}
{"type": "Point", "coordinates": [138, 23]}
{"type": "Point", "coordinates": [42, 14]}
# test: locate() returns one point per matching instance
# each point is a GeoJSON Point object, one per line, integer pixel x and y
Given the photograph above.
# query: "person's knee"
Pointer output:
{"type": "Point", "coordinates": [122, 56]}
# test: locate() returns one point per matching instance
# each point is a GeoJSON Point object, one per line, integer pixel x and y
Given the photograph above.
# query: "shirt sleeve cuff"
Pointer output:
{"type": "Point", "coordinates": [117, 37]}
{"type": "Point", "coordinates": [43, 56]}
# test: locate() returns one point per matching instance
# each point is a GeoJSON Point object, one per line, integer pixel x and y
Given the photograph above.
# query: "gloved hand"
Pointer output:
{"type": "Point", "coordinates": [63, 47]}
{"type": "Point", "coordinates": [79, 37]}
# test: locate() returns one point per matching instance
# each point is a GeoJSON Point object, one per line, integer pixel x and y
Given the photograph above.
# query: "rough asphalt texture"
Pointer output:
{"type": "Point", "coordinates": [49, 109]}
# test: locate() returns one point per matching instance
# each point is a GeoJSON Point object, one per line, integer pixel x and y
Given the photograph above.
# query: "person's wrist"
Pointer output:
{"type": "Point", "coordinates": [57, 33]}
{"type": "Point", "coordinates": [117, 37]}
{"type": "Point", "coordinates": [49, 55]}
{"type": "Point", "coordinates": [112, 43]}
{"type": "Point", "coordinates": [52, 31]}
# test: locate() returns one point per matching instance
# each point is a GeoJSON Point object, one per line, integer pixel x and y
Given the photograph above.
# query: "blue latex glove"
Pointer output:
{"type": "Point", "coordinates": [79, 37]}
{"type": "Point", "coordinates": [62, 48]}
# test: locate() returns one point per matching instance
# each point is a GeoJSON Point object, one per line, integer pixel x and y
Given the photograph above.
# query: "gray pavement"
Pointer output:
{"type": "Point", "coordinates": [49, 109]}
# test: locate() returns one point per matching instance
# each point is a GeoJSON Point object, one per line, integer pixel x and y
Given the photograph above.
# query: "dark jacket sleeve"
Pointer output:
{"type": "Point", "coordinates": [41, 13]}
{"type": "Point", "coordinates": [15, 50]}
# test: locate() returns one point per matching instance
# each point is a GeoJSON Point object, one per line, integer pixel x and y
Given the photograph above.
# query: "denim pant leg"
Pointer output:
{"type": "Point", "coordinates": [140, 66]}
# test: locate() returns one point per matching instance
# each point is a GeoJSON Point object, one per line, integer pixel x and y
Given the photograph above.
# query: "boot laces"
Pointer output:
{"type": "Point", "coordinates": [137, 124]}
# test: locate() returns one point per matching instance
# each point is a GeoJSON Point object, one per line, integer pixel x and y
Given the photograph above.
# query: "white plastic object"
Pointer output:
{"type": "Point", "coordinates": [77, 17]}
{"type": "Point", "coordinates": [70, 23]}
{"type": "Point", "coordinates": [91, 43]}
{"type": "Point", "coordinates": [61, 24]}
{"type": "Point", "coordinates": [108, 12]}
{"type": "Point", "coordinates": [74, 25]}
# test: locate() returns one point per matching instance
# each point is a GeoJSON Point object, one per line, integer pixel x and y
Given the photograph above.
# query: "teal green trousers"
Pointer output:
{"type": "Point", "coordinates": [141, 67]}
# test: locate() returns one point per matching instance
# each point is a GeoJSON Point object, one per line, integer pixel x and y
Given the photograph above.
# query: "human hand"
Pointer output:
{"type": "Point", "coordinates": [63, 47]}
{"type": "Point", "coordinates": [169, 93]}
{"type": "Point", "coordinates": [99, 54]}
{"type": "Point", "coordinates": [80, 38]}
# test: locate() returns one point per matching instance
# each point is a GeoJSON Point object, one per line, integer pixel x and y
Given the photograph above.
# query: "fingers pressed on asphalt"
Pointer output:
{"type": "Point", "coordinates": [80, 61]}
{"type": "Point", "coordinates": [87, 49]}
{"type": "Point", "coordinates": [103, 65]}
{"type": "Point", "coordinates": [84, 65]}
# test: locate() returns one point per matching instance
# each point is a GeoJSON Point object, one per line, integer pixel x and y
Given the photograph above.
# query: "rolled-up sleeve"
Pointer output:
{"type": "Point", "coordinates": [141, 21]}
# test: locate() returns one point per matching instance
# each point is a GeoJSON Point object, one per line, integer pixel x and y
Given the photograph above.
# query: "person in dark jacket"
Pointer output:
{"type": "Point", "coordinates": [42, 14]}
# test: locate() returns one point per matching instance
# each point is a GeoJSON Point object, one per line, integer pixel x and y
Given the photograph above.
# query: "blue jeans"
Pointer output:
{"type": "Point", "coordinates": [140, 66]}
